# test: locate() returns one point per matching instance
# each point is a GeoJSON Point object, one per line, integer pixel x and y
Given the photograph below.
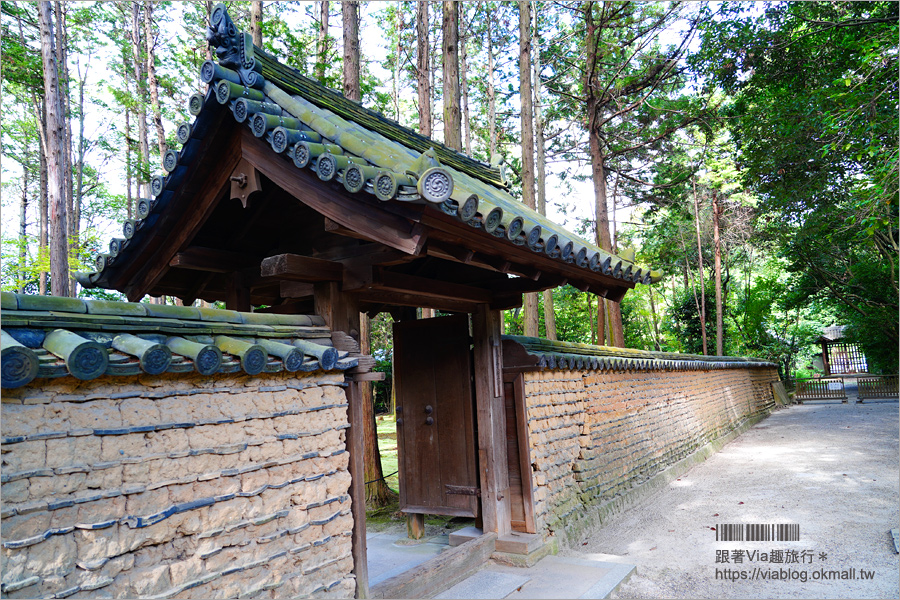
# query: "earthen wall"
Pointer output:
{"type": "Point", "coordinates": [177, 486]}
{"type": "Point", "coordinates": [596, 436]}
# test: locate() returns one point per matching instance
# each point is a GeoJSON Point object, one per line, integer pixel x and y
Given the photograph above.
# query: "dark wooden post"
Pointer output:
{"type": "Point", "coordinates": [826, 363]}
{"type": "Point", "coordinates": [341, 313]}
{"type": "Point", "coordinates": [491, 416]}
{"type": "Point", "coordinates": [238, 297]}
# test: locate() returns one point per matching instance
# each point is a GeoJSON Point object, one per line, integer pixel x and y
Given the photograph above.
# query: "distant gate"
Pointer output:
{"type": "Point", "coordinates": [820, 389]}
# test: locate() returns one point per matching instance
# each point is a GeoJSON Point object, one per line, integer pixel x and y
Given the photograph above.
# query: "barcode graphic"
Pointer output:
{"type": "Point", "coordinates": [758, 532]}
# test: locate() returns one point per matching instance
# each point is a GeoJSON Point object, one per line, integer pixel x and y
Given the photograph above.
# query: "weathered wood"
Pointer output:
{"type": "Point", "coordinates": [293, 267]}
{"type": "Point", "coordinates": [435, 425]}
{"type": "Point", "coordinates": [207, 357]}
{"type": "Point", "coordinates": [491, 417]}
{"type": "Point", "coordinates": [196, 201]}
{"type": "Point", "coordinates": [440, 573]}
{"type": "Point", "coordinates": [370, 376]}
{"type": "Point", "coordinates": [237, 295]}
{"type": "Point", "coordinates": [351, 212]}
{"type": "Point", "coordinates": [155, 358]}
{"type": "Point", "coordinates": [213, 260]}
{"type": "Point", "coordinates": [415, 526]}
{"type": "Point", "coordinates": [85, 359]}
{"type": "Point", "coordinates": [253, 356]}
{"type": "Point", "coordinates": [296, 289]}
{"type": "Point", "coordinates": [20, 364]}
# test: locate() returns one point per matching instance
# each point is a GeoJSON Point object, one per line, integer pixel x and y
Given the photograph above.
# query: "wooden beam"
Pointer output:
{"type": "Point", "coordinates": [491, 419]}
{"type": "Point", "coordinates": [212, 260]}
{"type": "Point", "coordinates": [302, 307]}
{"type": "Point", "coordinates": [353, 213]}
{"type": "Point", "coordinates": [293, 267]}
{"type": "Point", "coordinates": [425, 286]}
{"type": "Point", "coordinates": [392, 298]}
{"type": "Point", "coordinates": [296, 289]}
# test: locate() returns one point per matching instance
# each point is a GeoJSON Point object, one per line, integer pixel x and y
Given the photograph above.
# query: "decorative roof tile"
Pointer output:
{"type": "Point", "coordinates": [549, 354]}
{"type": "Point", "coordinates": [48, 336]}
{"type": "Point", "coordinates": [320, 130]}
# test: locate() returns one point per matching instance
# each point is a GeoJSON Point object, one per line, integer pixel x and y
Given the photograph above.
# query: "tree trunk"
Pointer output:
{"type": "Point", "coordinates": [491, 97]}
{"type": "Point", "coordinates": [720, 338]}
{"type": "Point", "coordinates": [702, 306]}
{"type": "Point", "coordinates": [527, 119]}
{"type": "Point", "coordinates": [601, 322]}
{"type": "Point", "coordinates": [143, 160]}
{"type": "Point", "coordinates": [591, 323]}
{"type": "Point", "coordinates": [56, 180]}
{"type": "Point", "coordinates": [256, 17]}
{"type": "Point", "coordinates": [541, 169]}
{"type": "Point", "coordinates": [350, 14]}
{"type": "Point", "coordinates": [44, 202]}
{"type": "Point", "coordinates": [153, 83]}
{"type": "Point", "coordinates": [598, 172]}
{"type": "Point", "coordinates": [129, 171]}
{"type": "Point", "coordinates": [377, 492]}
{"type": "Point", "coordinates": [398, 49]}
{"type": "Point", "coordinates": [79, 173]}
{"type": "Point", "coordinates": [655, 318]}
{"type": "Point", "coordinates": [43, 218]}
{"type": "Point", "coordinates": [322, 41]}
{"type": "Point", "coordinates": [62, 44]}
{"type": "Point", "coordinates": [23, 232]}
{"type": "Point", "coordinates": [464, 90]}
{"type": "Point", "coordinates": [423, 68]}
{"type": "Point", "coordinates": [450, 43]}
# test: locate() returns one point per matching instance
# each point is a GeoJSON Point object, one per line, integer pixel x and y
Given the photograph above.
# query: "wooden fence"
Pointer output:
{"type": "Point", "coordinates": [820, 389]}
{"type": "Point", "coordinates": [877, 386]}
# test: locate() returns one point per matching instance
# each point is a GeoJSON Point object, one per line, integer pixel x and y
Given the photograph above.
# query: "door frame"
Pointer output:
{"type": "Point", "coordinates": [524, 444]}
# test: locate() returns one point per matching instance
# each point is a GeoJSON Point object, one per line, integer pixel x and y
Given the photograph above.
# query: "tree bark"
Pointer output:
{"type": "Point", "coordinates": [152, 81]}
{"type": "Point", "coordinates": [423, 68]}
{"type": "Point", "coordinates": [464, 88]}
{"type": "Point", "coordinates": [398, 48]}
{"type": "Point", "coordinates": [491, 97]}
{"type": "Point", "coordinates": [702, 306]}
{"type": "Point", "coordinates": [541, 168]}
{"type": "Point", "coordinates": [322, 41]}
{"type": "Point", "coordinates": [56, 180]}
{"type": "Point", "coordinates": [23, 230]}
{"type": "Point", "coordinates": [450, 43]}
{"type": "Point", "coordinates": [256, 17]}
{"type": "Point", "coordinates": [598, 170]}
{"type": "Point", "coordinates": [655, 317]}
{"type": "Point", "coordinates": [377, 492]}
{"type": "Point", "coordinates": [43, 218]}
{"type": "Point", "coordinates": [79, 173]}
{"type": "Point", "coordinates": [527, 119]}
{"type": "Point", "coordinates": [62, 44]}
{"type": "Point", "coordinates": [720, 338]}
{"type": "Point", "coordinates": [143, 171]}
{"type": "Point", "coordinates": [350, 14]}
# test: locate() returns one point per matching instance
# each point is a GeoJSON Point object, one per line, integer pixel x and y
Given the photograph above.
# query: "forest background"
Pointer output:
{"type": "Point", "coordinates": [746, 150]}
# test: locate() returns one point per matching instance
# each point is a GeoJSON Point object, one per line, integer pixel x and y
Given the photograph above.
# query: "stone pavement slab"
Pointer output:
{"type": "Point", "coordinates": [485, 585]}
{"type": "Point", "coordinates": [390, 554]}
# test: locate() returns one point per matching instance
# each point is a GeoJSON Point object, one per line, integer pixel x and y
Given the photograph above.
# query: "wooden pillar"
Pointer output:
{"type": "Point", "coordinates": [491, 418]}
{"type": "Point", "coordinates": [341, 313]}
{"type": "Point", "coordinates": [238, 297]}
{"type": "Point", "coordinates": [826, 363]}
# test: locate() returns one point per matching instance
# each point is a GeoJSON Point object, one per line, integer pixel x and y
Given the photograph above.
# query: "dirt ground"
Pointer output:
{"type": "Point", "coordinates": [831, 468]}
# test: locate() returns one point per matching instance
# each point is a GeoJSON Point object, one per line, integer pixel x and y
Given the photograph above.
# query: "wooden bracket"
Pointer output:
{"type": "Point", "coordinates": [462, 490]}
{"type": "Point", "coordinates": [244, 181]}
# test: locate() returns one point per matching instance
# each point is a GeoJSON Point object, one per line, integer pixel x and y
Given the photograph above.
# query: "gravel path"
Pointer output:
{"type": "Point", "coordinates": [831, 468]}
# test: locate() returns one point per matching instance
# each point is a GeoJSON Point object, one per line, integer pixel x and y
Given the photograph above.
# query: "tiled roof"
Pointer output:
{"type": "Point", "coordinates": [47, 336]}
{"type": "Point", "coordinates": [548, 354]}
{"type": "Point", "coordinates": [320, 130]}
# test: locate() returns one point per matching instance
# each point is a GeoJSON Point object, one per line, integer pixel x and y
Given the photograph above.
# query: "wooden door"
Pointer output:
{"type": "Point", "coordinates": [521, 497]}
{"type": "Point", "coordinates": [435, 421]}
